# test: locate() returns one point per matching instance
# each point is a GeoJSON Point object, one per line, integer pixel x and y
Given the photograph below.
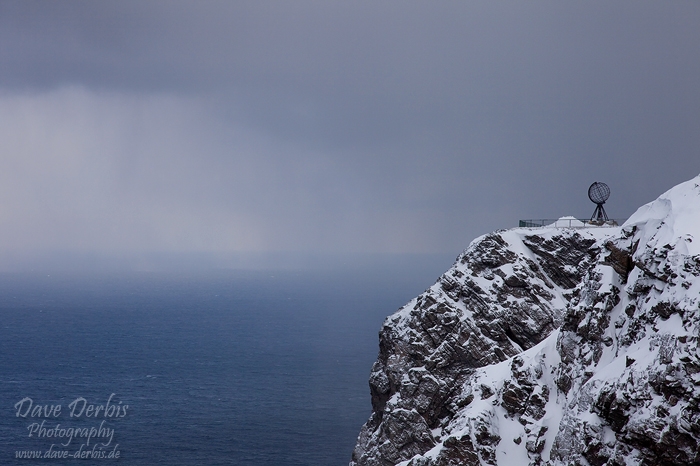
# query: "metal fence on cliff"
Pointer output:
{"type": "Point", "coordinates": [568, 223]}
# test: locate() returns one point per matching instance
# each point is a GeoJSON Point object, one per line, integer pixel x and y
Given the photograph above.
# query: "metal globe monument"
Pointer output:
{"type": "Point", "coordinates": [598, 193]}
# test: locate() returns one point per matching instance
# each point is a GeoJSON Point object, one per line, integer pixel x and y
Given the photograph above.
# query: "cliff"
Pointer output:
{"type": "Point", "coordinates": [549, 347]}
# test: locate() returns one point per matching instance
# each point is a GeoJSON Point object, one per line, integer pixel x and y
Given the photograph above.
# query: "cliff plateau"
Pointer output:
{"type": "Point", "coordinates": [549, 346]}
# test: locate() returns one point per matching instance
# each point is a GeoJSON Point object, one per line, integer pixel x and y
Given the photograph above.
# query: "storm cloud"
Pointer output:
{"type": "Point", "coordinates": [315, 126]}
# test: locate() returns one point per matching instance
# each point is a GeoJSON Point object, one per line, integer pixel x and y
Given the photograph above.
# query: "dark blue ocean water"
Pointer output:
{"type": "Point", "coordinates": [218, 367]}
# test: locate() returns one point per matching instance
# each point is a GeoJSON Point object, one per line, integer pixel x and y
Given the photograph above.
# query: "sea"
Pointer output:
{"type": "Point", "coordinates": [209, 366]}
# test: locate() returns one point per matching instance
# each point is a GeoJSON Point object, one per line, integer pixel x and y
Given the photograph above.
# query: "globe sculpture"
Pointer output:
{"type": "Point", "coordinates": [598, 193]}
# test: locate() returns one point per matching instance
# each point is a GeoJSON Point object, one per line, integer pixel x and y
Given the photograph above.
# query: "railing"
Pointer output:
{"type": "Point", "coordinates": [568, 222]}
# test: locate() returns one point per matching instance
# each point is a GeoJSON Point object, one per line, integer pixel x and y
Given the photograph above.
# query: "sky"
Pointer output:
{"type": "Point", "coordinates": [323, 127]}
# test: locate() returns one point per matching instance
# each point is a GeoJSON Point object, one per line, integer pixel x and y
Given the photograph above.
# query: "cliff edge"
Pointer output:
{"type": "Point", "coordinates": [549, 347]}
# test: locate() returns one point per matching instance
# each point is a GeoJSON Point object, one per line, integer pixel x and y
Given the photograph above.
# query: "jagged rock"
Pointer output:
{"type": "Point", "coordinates": [550, 347]}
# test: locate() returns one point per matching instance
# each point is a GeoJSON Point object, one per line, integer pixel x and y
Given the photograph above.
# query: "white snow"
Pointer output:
{"type": "Point", "coordinates": [671, 222]}
{"type": "Point", "coordinates": [567, 222]}
{"type": "Point", "coordinates": [673, 219]}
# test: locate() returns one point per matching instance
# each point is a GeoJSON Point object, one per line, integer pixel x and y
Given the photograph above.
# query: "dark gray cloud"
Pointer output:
{"type": "Point", "coordinates": [335, 126]}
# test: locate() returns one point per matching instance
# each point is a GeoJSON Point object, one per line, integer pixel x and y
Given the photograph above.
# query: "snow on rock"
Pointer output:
{"type": "Point", "coordinates": [550, 347]}
{"type": "Point", "coordinates": [567, 222]}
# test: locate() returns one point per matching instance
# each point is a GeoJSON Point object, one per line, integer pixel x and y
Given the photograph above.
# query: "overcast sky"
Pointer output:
{"type": "Point", "coordinates": [327, 126]}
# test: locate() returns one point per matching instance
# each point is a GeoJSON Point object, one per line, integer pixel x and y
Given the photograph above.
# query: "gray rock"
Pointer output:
{"type": "Point", "coordinates": [505, 294]}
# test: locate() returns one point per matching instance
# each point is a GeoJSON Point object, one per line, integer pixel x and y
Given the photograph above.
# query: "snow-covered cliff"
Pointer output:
{"type": "Point", "coordinates": [550, 347]}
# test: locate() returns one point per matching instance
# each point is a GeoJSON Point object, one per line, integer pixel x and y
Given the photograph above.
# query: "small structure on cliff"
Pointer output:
{"type": "Point", "coordinates": [598, 193]}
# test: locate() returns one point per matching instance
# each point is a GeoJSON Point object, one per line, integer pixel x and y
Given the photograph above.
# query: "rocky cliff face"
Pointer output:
{"type": "Point", "coordinates": [550, 347]}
